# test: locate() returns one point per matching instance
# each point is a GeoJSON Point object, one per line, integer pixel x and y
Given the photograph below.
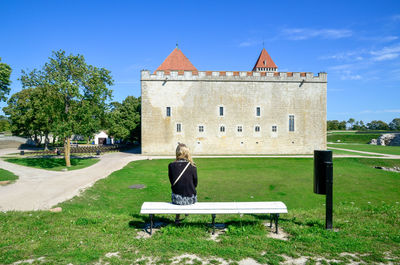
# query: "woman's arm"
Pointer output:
{"type": "Point", "coordinates": [195, 176]}
{"type": "Point", "coordinates": [170, 174]}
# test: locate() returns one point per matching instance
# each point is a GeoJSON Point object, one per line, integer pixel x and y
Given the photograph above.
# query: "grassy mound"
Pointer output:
{"type": "Point", "coordinates": [352, 137]}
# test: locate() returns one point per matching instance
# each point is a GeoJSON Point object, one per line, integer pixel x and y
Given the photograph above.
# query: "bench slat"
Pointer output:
{"type": "Point", "coordinates": [213, 208]}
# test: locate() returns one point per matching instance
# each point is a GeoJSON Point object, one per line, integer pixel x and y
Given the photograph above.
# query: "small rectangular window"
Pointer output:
{"type": "Point", "coordinates": [221, 111]}
{"type": "Point", "coordinates": [291, 123]}
{"type": "Point", "coordinates": [274, 128]}
{"type": "Point", "coordinates": [178, 127]}
{"type": "Point", "coordinates": [258, 111]}
{"type": "Point", "coordinates": [168, 111]}
{"type": "Point", "coordinates": [222, 129]}
{"type": "Point", "coordinates": [201, 128]}
{"type": "Point", "coordinates": [257, 128]}
{"type": "Point", "coordinates": [240, 128]}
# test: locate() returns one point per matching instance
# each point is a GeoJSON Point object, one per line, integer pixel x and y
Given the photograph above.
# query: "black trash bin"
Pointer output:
{"type": "Point", "coordinates": [322, 169]}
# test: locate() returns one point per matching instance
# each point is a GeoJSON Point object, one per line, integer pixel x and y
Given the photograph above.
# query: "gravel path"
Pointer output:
{"type": "Point", "coordinates": [38, 189]}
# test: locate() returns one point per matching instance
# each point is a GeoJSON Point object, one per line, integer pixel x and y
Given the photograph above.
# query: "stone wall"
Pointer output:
{"type": "Point", "coordinates": [390, 139]}
{"type": "Point", "coordinates": [194, 99]}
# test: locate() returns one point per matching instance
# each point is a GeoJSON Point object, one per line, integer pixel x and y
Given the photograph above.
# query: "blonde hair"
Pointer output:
{"type": "Point", "coordinates": [182, 152]}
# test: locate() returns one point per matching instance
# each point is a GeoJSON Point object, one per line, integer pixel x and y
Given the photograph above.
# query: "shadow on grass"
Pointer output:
{"type": "Point", "coordinates": [159, 221]}
{"type": "Point", "coordinates": [45, 163]}
{"type": "Point", "coordinates": [310, 223]}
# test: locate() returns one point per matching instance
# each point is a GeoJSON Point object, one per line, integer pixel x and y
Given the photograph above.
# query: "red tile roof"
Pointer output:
{"type": "Point", "coordinates": [264, 60]}
{"type": "Point", "coordinates": [176, 61]}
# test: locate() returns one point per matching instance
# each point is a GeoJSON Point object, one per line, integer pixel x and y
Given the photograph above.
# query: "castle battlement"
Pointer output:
{"type": "Point", "coordinates": [244, 76]}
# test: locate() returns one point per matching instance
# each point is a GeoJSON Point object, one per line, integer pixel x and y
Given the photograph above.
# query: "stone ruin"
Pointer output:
{"type": "Point", "coordinates": [390, 139]}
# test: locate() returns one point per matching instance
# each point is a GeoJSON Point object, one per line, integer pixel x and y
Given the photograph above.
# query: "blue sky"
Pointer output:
{"type": "Point", "coordinates": [356, 42]}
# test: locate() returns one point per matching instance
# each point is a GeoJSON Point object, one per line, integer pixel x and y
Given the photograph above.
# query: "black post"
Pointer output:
{"type": "Point", "coordinates": [323, 181]}
{"type": "Point", "coordinates": [329, 195]}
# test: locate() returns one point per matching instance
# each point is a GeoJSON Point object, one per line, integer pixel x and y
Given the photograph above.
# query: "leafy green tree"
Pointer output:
{"type": "Point", "coordinates": [5, 73]}
{"type": "Point", "coordinates": [351, 121]}
{"type": "Point", "coordinates": [123, 121]}
{"type": "Point", "coordinates": [42, 104]}
{"type": "Point", "coordinates": [342, 125]}
{"type": "Point", "coordinates": [362, 125]}
{"type": "Point", "coordinates": [21, 113]}
{"type": "Point", "coordinates": [80, 92]}
{"type": "Point", "coordinates": [72, 97]}
{"type": "Point", "coordinates": [332, 125]}
{"type": "Point", "coordinates": [4, 124]}
{"type": "Point", "coordinates": [395, 124]}
{"type": "Point", "coordinates": [377, 125]}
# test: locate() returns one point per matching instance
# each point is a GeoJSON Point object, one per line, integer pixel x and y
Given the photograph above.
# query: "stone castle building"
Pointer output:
{"type": "Point", "coordinates": [262, 111]}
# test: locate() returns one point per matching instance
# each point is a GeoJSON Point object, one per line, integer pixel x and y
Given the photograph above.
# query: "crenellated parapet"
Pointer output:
{"type": "Point", "coordinates": [146, 75]}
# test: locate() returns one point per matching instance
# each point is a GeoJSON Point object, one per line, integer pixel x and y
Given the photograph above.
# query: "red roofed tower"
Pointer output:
{"type": "Point", "coordinates": [265, 63]}
{"type": "Point", "coordinates": [176, 61]}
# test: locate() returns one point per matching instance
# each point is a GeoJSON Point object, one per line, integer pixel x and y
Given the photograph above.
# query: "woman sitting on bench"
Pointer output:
{"type": "Point", "coordinates": [183, 177]}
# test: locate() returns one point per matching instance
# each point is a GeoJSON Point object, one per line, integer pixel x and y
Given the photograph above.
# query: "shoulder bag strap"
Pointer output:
{"type": "Point", "coordinates": [183, 171]}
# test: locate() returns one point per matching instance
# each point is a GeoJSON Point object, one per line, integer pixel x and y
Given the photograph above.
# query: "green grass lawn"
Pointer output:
{"type": "Point", "coordinates": [7, 175]}
{"type": "Point", "coordinates": [391, 150]}
{"type": "Point", "coordinates": [105, 218]}
{"type": "Point", "coordinates": [352, 137]}
{"type": "Point", "coordinates": [56, 164]}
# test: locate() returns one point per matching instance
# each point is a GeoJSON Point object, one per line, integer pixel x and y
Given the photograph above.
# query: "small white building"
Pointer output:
{"type": "Point", "coordinates": [102, 138]}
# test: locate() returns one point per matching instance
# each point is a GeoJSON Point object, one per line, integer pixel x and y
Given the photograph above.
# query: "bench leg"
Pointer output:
{"type": "Point", "coordinates": [276, 223]}
{"type": "Point", "coordinates": [151, 223]}
{"type": "Point", "coordinates": [271, 216]}
{"type": "Point", "coordinates": [213, 223]}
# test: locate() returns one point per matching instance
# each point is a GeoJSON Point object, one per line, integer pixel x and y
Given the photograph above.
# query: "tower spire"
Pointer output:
{"type": "Point", "coordinates": [265, 63]}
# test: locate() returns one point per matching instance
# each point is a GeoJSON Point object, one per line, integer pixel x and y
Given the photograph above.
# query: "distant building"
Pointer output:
{"type": "Point", "coordinates": [232, 112]}
{"type": "Point", "coordinates": [102, 138]}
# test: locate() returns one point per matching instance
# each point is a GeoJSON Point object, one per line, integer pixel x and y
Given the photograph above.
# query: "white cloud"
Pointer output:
{"type": "Point", "coordinates": [249, 43]}
{"type": "Point", "coordinates": [384, 57]}
{"type": "Point", "coordinates": [388, 38]}
{"type": "Point", "coordinates": [335, 89]}
{"type": "Point", "coordinates": [395, 18]}
{"type": "Point", "coordinates": [386, 53]}
{"type": "Point", "coordinates": [307, 33]}
{"type": "Point", "coordinates": [350, 77]}
{"type": "Point", "coordinates": [380, 111]}
{"type": "Point", "coordinates": [344, 56]}
{"type": "Point", "coordinates": [341, 67]}
{"type": "Point", "coordinates": [133, 82]}
{"type": "Point", "coordinates": [380, 38]}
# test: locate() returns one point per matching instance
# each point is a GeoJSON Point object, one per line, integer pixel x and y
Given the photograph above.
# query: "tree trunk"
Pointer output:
{"type": "Point", "coordinates": [67, 146]}
{"type": "Point", "coordinates": [46, 142]}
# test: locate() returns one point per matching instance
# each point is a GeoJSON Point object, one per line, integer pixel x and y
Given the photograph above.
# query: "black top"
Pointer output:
{"type": "Point", "coordinates": [186, 185]}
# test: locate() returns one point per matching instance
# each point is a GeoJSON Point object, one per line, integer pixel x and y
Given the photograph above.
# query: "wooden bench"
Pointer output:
{"type": "Point", "coordinates": [213, 208]}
